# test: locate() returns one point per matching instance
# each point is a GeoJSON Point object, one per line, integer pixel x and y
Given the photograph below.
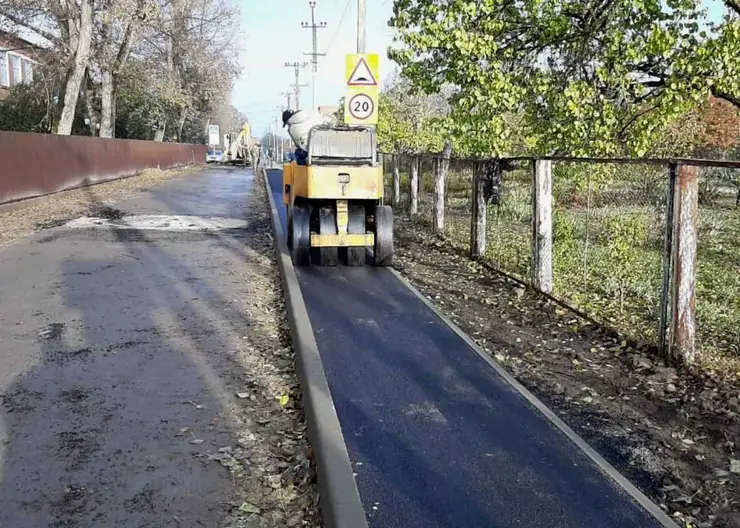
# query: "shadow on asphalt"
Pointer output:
{"type": "Point", "coordinates": [106, 429]}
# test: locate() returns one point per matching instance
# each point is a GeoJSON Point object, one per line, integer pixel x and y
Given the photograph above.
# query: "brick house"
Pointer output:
{"type": "Point", "coordinates": [17, 63]}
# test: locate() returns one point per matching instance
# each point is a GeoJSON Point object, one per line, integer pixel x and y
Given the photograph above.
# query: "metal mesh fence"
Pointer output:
{"type": "Point", "coordinates": [458, 202]}
{"type": "Point", "coordinates": [609, 225]}
{"type": "Point", "coordinates": [509, 225]}
{"type": "Point", "coordinates": [718, 263]}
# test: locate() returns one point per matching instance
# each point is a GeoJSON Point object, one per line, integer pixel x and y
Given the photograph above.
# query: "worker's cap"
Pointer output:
{"type": "Point", "coordinates": [287, 114]}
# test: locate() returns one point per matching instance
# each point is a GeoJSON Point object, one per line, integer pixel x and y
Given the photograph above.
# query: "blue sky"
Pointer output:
{"type": "Point", "coordinates": [272, 35]}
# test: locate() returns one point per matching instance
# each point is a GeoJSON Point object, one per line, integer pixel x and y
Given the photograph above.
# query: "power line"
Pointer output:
{"type": "Point", "coordinates": [339, 27]}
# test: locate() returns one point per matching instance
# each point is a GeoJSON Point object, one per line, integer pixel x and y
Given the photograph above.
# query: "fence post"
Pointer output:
{"type": "Point", "coordinates": [665, 294]}
{"type": "Point", "coordinates": [440, 176]}
{"type": "Point", "coordinates": [414, 182]}
{"type": "Point", "coordinates": [478, 216]}
{"type": "Point", "coordinates": [542, 225]}
{"type": "Point", "coordinates": [683, 314]}
{"type": "Point", "coordinates": [396, 181]}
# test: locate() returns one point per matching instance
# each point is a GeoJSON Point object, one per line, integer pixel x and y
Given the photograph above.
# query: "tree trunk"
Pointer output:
{"type": "Point", "coordinates": [396, 181]}
{"type": "Point", "coordinates": [181, 123]}
{"type": "Point", "coordinates": [87, 92]}
{"type": "Point", "coordinates": [161, 129]}
{"type": "Point", "coordinates": [440, 180]}
{"type": "Point", "coordinates": [414, 182]}
{"type": "Point", "coordinates": [106, 105]}
{"type": "Point", "coordinates": [76, 73]}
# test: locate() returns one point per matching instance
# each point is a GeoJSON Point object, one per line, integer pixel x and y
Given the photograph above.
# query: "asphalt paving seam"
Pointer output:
{"type": "Point", "coordinates": [579, 442]}
{"type": "Point", "coordinates": [341, 506]}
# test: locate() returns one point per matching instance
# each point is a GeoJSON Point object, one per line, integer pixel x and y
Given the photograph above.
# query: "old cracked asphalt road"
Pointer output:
{"type": "Point", "coordinates": [112, 368]}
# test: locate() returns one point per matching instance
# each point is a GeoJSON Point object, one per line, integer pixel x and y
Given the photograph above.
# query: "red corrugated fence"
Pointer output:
{"type": "Point", "coordinates": [36, 164]}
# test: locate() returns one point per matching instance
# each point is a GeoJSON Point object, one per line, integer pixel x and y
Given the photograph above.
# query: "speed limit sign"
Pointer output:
{"type": "Point", "coordinates": [361, 107]}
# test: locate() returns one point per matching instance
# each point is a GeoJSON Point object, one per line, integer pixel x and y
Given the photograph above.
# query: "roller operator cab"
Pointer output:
{"type": "Point", "coordinates": [335, 200]}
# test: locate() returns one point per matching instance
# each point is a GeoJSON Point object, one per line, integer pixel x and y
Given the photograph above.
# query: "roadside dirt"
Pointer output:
{"type": "Point", "coordinates": [23, 218]}
{"type": "Point", "coordinates": [270, 461]}
{"type": "Point", "coordinates": [674, 433]}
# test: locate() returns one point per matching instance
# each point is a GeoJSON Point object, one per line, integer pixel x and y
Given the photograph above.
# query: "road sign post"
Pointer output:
{"type": "Point", "coordinates": [361, 98]}
{"type": "Point", "coordinates": [213, 135]}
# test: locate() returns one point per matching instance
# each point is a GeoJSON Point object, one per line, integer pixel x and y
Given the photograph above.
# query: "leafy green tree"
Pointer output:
{"type": "Point", "coordinates": [586, 77]}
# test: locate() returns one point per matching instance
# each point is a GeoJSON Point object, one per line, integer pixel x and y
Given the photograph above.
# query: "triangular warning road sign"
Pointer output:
{"type": "Point", "coordinates": [362, 75]}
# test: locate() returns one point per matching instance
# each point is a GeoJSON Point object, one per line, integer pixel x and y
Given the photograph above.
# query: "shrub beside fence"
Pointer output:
{"type": "Point", "coordinates": [644, 246]}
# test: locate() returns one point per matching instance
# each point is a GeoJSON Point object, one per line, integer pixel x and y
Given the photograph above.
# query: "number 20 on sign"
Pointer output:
{"type": "Point", "coordinates": [361, 107]}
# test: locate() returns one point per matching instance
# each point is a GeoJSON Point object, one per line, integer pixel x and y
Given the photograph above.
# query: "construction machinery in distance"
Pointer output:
{"type": "Point", "coordinates": [238, 147]}
{"type": "Point", "coordinates": [333, 191]}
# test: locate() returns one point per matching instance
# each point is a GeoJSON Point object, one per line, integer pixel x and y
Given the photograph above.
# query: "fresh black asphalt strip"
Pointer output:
{"type": "Point", "coordinates": [436, 435]}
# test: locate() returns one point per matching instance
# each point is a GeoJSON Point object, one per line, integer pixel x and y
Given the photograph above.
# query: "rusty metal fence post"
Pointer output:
{"type": "Point", "coordinates": [542, 226]}
{"type": "Point", "coordinates": [683, 314]}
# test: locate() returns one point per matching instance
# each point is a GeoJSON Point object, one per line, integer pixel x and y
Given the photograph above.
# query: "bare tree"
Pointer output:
{"type": "Point", "coordinates": [67, 27]}
{"type": "Point", "coordinates": [117, 24]}
{"type": "Point", "coordinates": [194, 41]}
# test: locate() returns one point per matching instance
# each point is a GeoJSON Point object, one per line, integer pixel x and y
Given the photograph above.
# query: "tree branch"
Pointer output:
{"type": "Point", "coordinates": [45, 34]}
{"type": "Point", "coordinates": [734, 5]}
{"type": "Point", "coordinates": [726, 97]}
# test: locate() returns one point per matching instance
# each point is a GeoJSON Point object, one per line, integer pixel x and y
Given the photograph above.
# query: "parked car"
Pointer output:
{"type": "Point", "coordinates": [214, 156]}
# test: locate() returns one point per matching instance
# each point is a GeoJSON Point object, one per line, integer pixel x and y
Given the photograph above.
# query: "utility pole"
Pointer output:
{"type": "Point", "coordinates": [297, 86]}
{"type": "Point", "coordinates": [361, 12]}
{"type": "Point", "coordinates": [287, 95]}
{"type": "Point", "coordinates": [313, 26]}
{"type": "Point", "coordinates": [278, 140]}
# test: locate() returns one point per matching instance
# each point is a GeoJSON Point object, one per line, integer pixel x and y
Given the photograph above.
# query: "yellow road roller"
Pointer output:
{"type": "Point", "coordinates": [333, 192]}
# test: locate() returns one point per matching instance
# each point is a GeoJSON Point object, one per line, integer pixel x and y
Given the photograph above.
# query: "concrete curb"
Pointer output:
{"type": "Point", "coordinates": [579, 442]}
{"type": "Point", "coordinates": [340, 502]}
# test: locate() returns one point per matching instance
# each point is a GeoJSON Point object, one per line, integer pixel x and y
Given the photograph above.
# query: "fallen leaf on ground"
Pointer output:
{"type": "Point", "coordinates": [248, 507]}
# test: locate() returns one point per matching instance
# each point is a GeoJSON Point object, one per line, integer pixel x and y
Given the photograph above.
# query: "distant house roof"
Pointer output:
{"type": "Point", "coordinates": [21, 46]}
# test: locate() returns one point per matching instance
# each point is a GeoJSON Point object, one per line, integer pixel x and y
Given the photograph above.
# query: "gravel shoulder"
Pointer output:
{"type": "Point", "coordinates": [674, 433]}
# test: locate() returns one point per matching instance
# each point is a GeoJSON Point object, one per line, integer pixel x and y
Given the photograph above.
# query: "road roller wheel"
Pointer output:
{"type": "Point", "coordinates": [383, 254]}
{"type": "Point", "coordinates": [356, 225]}
{"type": "Point", "coordinates": [301, 235]}
{"type": "Point", "coordinates": [289, 216]}
{"type": "Point", "coordinates": [327, 256]}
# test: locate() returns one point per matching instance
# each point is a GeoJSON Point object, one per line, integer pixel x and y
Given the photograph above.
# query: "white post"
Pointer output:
{"type": "Point", "coordinates": [542, 226]}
